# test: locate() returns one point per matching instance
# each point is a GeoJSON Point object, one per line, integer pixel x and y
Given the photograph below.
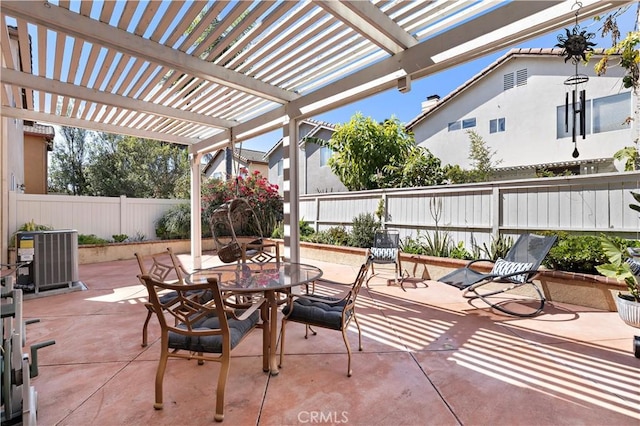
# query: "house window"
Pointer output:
{"type": "Point", "coordinates": [497, 125]}
{"type": "Point", "coordinates": [280, 167]}
{"type": "Point", "coordinates": [218, 175]}
{"type": "Point", "coordinates": [468, 123]}
{"type": "Point", "coordinates": [325, 154]}
{"type": "Point", "coordinates": [604, 114]}
{"type": "Point", "coordinates": [565, 131]}
{"type": "Point", "coordinates": [455, 125]}
{"type": "Point", "coordinates": [611, 112]}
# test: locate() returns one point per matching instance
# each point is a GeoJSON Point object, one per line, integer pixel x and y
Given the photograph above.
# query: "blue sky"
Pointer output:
{"type": "Point", "coordinates": [406, 106]}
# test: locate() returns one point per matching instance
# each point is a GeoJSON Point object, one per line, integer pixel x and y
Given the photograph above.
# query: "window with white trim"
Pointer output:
{"type": "Point", "coordinates": [605, 114]}
{"type": "Point", "coordinates": [467, 123]}
{"type": "Point", "coordinates": [611, 112]}
{"type": "Point", "coordinates": [497, 125]}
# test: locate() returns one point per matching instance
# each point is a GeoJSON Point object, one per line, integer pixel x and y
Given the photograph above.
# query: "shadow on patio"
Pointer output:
{"type": "Point", "coordinates": [429, 358]}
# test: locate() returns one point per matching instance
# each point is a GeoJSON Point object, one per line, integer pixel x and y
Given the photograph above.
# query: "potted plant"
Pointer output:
{"type": "Point", "coordinates": [623, 266]}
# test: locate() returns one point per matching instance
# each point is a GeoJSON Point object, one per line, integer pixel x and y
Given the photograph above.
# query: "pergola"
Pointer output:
{"type": "Point", "coordinates": [209, 74]}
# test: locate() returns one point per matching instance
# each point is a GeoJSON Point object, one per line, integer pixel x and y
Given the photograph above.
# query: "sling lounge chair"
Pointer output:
{"type": "Point", "coordinates": [511, 277]}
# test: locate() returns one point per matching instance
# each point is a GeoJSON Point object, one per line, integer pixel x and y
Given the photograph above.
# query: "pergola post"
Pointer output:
{"type": "Point", "coordinates": [291, 191]}
{"type": "Point", "coordinates": [196, 210]}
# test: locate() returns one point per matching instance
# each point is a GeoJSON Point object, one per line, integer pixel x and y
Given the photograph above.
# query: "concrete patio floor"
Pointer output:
{"type": "Point", "coordinates": [429, 358]}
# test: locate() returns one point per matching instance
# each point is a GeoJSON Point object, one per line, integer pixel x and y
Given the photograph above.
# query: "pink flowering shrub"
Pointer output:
{"type": "Point", "coordinates": [261, 195]}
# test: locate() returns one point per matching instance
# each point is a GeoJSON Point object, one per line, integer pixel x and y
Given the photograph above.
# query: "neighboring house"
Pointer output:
{"type": "Point", "coordinates": [517, 105]}
{"type": "Point", "coordinates": [222, 165]}
{"type": "Point", "coordinates": [315, 175]}
{"type": "Point", "coordinates": [38, 141]}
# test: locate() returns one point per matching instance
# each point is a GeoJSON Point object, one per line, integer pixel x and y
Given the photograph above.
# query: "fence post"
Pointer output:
{"type": "Point", "coordinates": [123, 203]}
{"type": "Point", "coordinates": [496, 208]}
{"type": "Point", "coordinates": [317, 217]}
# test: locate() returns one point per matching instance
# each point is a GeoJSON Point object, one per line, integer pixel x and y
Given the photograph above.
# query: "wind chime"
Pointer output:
{"type": "Point", "coordinates": [575, 45]}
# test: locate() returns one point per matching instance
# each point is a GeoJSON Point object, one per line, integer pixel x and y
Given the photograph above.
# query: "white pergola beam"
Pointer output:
{"type": "Point", "coordinates": [42, 84]}
{"type": "Point", "coordinates": [368, 20]}
{"type": "Point", "coordinates": [43, 117]}
{"type": "Point", "coordinates": [66, 22]}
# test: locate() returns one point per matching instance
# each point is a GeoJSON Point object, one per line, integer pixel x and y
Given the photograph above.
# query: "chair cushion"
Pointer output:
{"type": "Point", "coordinates": [634, 265]}
{"type": "Point", "coordinates": [503, 267]}
{"type": "Point", "coordinates": [384, 254]}
{"type": "Point", "coordinates": [213, 344]}
{"type": "Point", "coordinates": [316, 312]}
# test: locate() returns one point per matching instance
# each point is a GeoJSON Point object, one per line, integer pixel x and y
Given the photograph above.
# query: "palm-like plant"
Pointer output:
{"type": "Point", "coordinates": [618, 267]}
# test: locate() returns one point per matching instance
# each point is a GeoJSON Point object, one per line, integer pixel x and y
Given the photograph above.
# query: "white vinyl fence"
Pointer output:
{"type": "Point", "coordinates": [101, 216]}
{"type": "Point", "coordinates": [475, 212]}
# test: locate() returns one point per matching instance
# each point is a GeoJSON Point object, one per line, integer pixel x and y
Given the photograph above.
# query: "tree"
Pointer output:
{"type": "Point", "coordinates": [69, 162]}
{"type": "Point", "coordinates": [140, 168]}
{"type": "Point", "coordinates": [628, 57]}
{"type": "Point", "coordinates": [363, 147]}
{"type": "Point", "coordinates": [481, 157]}
{"type": "Point", "coordinates": [420, 168]}
{"type": "Point", "coordinates": [482, 163]}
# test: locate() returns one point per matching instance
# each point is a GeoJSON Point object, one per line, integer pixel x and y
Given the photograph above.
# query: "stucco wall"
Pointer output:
{"type": "Point", "coordinates": [530, 113]}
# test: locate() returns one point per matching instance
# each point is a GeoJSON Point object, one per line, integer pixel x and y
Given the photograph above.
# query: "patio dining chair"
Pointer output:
{"type": "Point", "coordinates": [508, 278]}
{"type": "Point", "coordinates": [162, 266]}
{"type": "Point", "coordinates": [205, 331]}
{"type": "Point", "coordinates": [334, 313]}
{"type": "Point", "coordinates": [386, 251]}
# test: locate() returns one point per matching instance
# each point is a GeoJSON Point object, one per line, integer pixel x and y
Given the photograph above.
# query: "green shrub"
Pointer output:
{"type": "Point", "coordinates": [336, 235]}
{"type": "Point", "coordinates": [438, 243]}
{"type": "Point", "coordinates": [499, 247]}
{"type": "Point", "coordinates": [411, 245]}
{"type": "Point", "coordinates": [305, 228]}
{"type": "Point", "coordinates": [119, 238]}
{"type": "Point", "coordinates": [175, 224]}
{"type": "Point", "coordinates": [32, 226]}
{"type": "Point", "coordinates": [363, 230]}
{"type": "Point", "coordinates": [576, 253]}
{"type": "Point", "coordinates": [460, 252]}
{"type": "Point", "coordinates": [84, 239]}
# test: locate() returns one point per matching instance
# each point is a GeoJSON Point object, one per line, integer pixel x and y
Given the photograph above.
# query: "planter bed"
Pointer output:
{"type": "Point", "coordinates": [592, 291]}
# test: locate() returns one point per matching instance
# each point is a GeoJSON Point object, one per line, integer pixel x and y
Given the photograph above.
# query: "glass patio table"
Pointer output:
{"type": "Point", "coordinates": [267, 278]}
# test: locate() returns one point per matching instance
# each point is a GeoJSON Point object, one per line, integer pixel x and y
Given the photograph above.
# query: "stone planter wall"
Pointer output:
{"type": "Point", "coordinates": [592, 291]}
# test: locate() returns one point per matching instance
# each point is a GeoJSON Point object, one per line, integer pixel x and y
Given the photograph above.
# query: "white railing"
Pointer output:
{"type": "Point", "coordinates": [591, 204]}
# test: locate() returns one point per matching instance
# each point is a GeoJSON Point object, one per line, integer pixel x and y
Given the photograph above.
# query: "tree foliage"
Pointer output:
{"type": "Point", "coordinates": [362, 148]}
{"type": "Point", "coordinates": [419, 168]}
{"type": "Point", "coordinates": [482, 163]}
{"type": "Point", "coordinates": [69, 163]}
{"type": "Point", "coordinates": [102, 164]}
{"type": "Point", "coordinates": [261, 195]}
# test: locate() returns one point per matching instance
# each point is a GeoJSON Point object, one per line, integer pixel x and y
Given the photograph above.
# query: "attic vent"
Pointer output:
{"type": "Point", "coordinates": [508, 81]}
{"type": "Point", "coordinates": [521, 77]}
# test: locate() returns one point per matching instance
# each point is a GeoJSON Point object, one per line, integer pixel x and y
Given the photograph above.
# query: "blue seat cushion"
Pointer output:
{"type": "Point", "coordinates": [213, 344]}
{"type": "Point", "coordinates": [318, 313]}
